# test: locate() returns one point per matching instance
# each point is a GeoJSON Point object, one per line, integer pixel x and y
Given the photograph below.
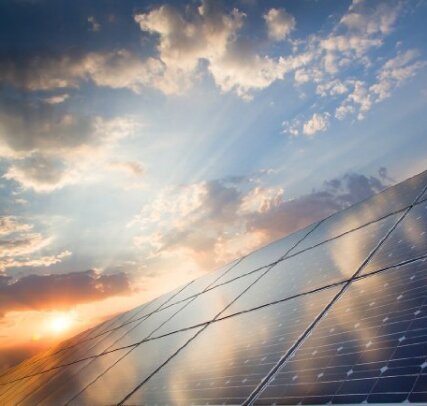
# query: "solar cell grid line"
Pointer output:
{"type": "Point", "coordinates": [268, 255]}
{"type": "Point", "coordinates": [155, 354]}
{"type": "Point", "coordinates": [202, 284]}
{"type": "Point", "coordinates": [250, 279]}
{"type": "Point", "coordinates": [378, 355]}
{"type": "Point", "coordinates": [226, 375]}
{"type": "Point", "coordinates": [409, 240]}
{"type": "Point", "coordinates": [328, 263]}
{"type": "Point", "coordinates": [389, 201]}
{"type": "Point", "coordinates": [128, 340]}
{"type": "Point", "coordinates": [298, 343]}
{"type": "Point", "coordinates": [31, 395]}
{"type": "Point", "coordinates": [90, 353]}
{"type": "Point", "coordinates": [174, 295]}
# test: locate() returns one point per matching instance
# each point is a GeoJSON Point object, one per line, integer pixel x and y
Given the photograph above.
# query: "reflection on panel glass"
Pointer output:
{"type": "Point", "coordinates": [201, 284]}
{"type": "Point", "coordinates": [389, 201]}
{"type": "Point", "coordinates": [114, 384]}
{"type": "Point", "coordinates": [407, 241]}
{"type": "Point", "coordinates": [207, 305]}
{"type": "Point", "coordinates": [266, 255]}
{"type": "Point", "coordinates": [371, 346]}
{"type": "Point", "coordinates": [138, 331]}
{"type": "Point", "coordinates": [230, 357]}
{"type": "Point", "coordinates": [67, 381]}
{"type": "Point", "coordinates": [328, 263]}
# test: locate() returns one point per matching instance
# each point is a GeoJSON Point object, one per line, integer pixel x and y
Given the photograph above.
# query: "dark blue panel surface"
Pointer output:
{"type": "Point", "coordinates": [227, 360]}
{"type": "Point", "coordinates": [371, 346]}
{"type": "Point", "coordinates": [407, 241]}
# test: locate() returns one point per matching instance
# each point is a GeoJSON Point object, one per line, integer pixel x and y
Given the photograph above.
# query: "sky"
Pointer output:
{"type": "Point", "coordinates": [146, 143]}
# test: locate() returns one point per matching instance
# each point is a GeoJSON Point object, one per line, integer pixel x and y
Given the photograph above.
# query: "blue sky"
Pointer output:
{"type": "Point", "coordinates": [143, 144]}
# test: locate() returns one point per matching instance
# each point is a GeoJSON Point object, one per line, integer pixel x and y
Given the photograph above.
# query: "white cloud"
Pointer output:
{"type": "Point", "coordinates": [10, 225]}
{"type": "Point", "coordinates": [291, 127]}
{"type": "Point", "coordinates": [380, 19]}
{"type": "Point", "coordinates": [19, 245]}
{"type": "Point", "coordinates": [279, 23]}
{"type": "Point", "coordinates": [208, 33]}
{"type": "Point", "coordinates": [95, 26]}
{"type": "Point", "coordinates": [317, 122]}
{"type": "Point", "coordinates": [334, 87]}
{"type": "Point", "coordinates": [60, 98]}
{"type": "Point", "coordinates": [48, 149]}
{"type": "Point", "coordinates": [44, 261]}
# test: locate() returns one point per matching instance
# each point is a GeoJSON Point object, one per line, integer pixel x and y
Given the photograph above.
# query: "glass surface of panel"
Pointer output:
{"type": "Point", "coordinates": [389, 201]}
{"type": "Point", "coordinates": [206, 306]}
{"type": "Point", "coordinates": [138, 331]}
{"type": "Point", "coordinates": [201, 284]}
{"type": "Point", "coordinates": [265, 255]}
{"type": "Point", "coordinates": [113, 385]}
{"type": "Point", "coordinates": [70, 380]}
{"type": "Point", "coordinates": [407, 241]}
{"type": "Point", "coordinates": [228, 359]}
{"type": "Point", "coordinates": [370, 347]}
{"type": "Point", "coordinates": [325, 264]}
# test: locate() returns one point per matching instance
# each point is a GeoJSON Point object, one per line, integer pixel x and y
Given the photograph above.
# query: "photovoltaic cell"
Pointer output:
{"type": "Point", "coordinates": [206, 306]}
{"type": "Point", "coordinates": [408, 241]}
{"type": "Point", "coordinates": [389, 201]}
{"type": "Point", "coordinates": [371, 346]}
{"type": "Point", "coordinates": [66, 379]}
{"type": "Point", "coordinates": [201, 284]}
{"type": "Point", "coordinates": [334, 261]}
{"type": "Point", "coordinates": [265, 256]}
{"type": "Point", "coordinates": [229, 358]}
{"type": "Point", "coordinates": [115, 383]}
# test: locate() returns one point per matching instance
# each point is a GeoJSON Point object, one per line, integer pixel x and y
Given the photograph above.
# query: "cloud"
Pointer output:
{"type": "Point", "coordinates": [208, 223]}
{"type": "Point", "coordinates": [116, 69]}
{"type": "Point", "coordinates": [19, 245]}
{"type": "Point", "coordinates": [48, 149]}
{"type": "Point", "coordinates": [60, 98]}
{"type": "Point", "coordinates": [95, 26]}
{"type": "Point", "coordinates": [133, 168]}
{"type": "Point", "coordinates": [10, 225]}
{"type": "Point", "coordinates": [279, 23]}
{"type": "Point", "coordinates": [390, 76]}
{"type": "Point", "coordinates": [318, 122]}
{"type": "Point", "coordinates": [210, 34]}
{"type": "Point", "coordinates": [55, 292]}
{"type": "Point", "coordinates": [44, 261]}
{"type": "Point", "coordinates": [372, 20]}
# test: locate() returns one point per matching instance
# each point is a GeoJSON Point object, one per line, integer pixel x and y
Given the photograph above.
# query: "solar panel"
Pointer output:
{"type": "Point", "coordinates": [389, 201]}
{"type": "Point", "coordinates": [408, 241]}
{"type": "Point", "coordinates": [371, 346]}
{"type": "Point", "coordinates": [223, 364]}
{"type": "Point", "coordinates": [334, 261]}
{"type": "Point", "coordinates": [266, 256]}
{"type": "Point", "coordinates": [145, 358]}
{"type": "Point", "coordinates": [335, 313]}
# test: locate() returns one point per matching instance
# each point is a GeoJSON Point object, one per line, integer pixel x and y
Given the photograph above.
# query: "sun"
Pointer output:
{"type": "Point", "coordinates": [61, 322]}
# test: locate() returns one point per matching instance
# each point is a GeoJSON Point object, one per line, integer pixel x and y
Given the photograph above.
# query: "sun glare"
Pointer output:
{"type": "Point", "coordinates": [61, 322]}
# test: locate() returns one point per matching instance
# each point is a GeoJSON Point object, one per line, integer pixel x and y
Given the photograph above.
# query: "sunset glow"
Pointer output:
{"type": "Point", "coordinates": [60, 323]}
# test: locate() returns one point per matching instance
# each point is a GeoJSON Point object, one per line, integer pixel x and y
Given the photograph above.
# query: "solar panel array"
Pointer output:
{"type": "Point", "coordinates": [335, 313]}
